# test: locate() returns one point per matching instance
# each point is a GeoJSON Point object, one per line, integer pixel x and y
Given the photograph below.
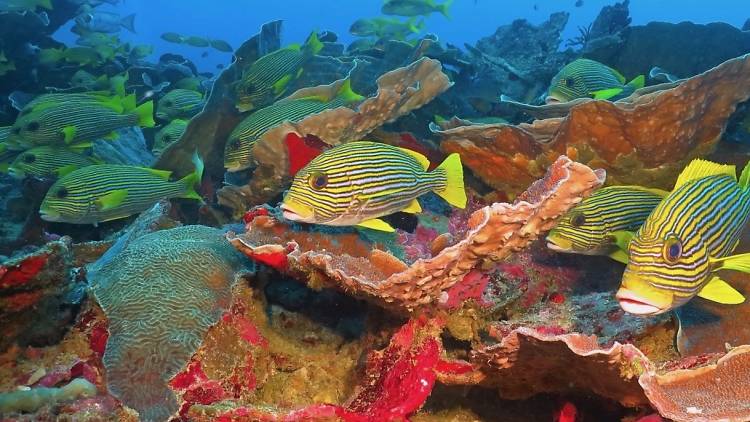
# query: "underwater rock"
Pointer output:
{"type": "Point", "coordinates": [160, 292]}
{"type": "Point", "coordinates": [646, 141]}
{"type": "Point", "coordinates": [208, 131]}
{"type": "Point", "coordinates": [399, 92]}
{"type": "Point", "coordinates": [672, 47]}
{"type": "Point", "coordinates": [129, 148]}
{"type": "Point", "coordinates": [495, 232]}
{"type": "Point", "coordinates": [34, 289]}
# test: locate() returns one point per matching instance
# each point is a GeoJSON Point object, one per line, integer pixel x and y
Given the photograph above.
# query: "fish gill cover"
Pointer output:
{"type": "Point", "coordinates": [399, 209]}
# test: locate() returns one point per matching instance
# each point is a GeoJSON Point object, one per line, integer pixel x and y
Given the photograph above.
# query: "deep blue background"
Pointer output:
{"type": "Point", "coordinates": [236, 20]}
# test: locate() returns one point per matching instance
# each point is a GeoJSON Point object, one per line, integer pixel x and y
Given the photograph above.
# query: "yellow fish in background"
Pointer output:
{"type": "Point", "coordinates": [602, 222]}
{"type": "Point", "coordinates": [386, 28]}
{"type": "Point", "coordinates": [48, 161]}
{"type": "Point", "coordinates": [107, 192]}
{"type": "Point", "coordinates": [415, 7]}
{"type": "Point", "coordinates": [169, 134]}
{"type": "Point", "coordinates": [179, 104]}
{"type": "Point", "coordinates": [584, 78]}
{"type": "Point", "coordinates": [357, 183]}
{"type": "Point", "coordinates": [266, 79]}
{"type": "Point", "coordinates": [24, 5]}
{"type": "Point", "coordinates": [689, 236]}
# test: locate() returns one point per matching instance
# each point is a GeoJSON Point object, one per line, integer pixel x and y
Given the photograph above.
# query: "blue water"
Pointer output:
{"type": "Point", "coordinates": [236, 20]}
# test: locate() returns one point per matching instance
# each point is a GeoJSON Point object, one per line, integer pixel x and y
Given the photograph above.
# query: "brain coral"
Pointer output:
{"type": "Point", "coordinates": [161, 292]}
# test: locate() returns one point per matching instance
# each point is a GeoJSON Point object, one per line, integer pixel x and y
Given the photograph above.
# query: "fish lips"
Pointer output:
{"type": "Point", "coordinates": [49, 215]}
{"type": "Point", "coordinates": [290, 214]}
{"type": "Point", "coordinates": [634, 304]}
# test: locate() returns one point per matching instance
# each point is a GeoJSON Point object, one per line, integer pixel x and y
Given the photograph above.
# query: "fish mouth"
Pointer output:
{"type": "Point", "coordinates": [48, 215]}
{"type": "Point", "coordinates": [636, 305]}
{"type": "Point", "coordinates": [555, 245]}
{"type": "Point", "coordinates": [290, 214]}
{"type": "Point", "coordinates": [552, 100]}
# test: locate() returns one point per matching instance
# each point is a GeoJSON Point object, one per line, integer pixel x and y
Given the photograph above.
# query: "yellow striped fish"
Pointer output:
{"type": "Point", "coordinates": [168, 134]}
{"type": "Point", "coordinates": [267, 78]}
{"type": "Point", "coordinates": [357, 183]}
{"type": "Point", "coordinates": [107, 192]}
{"type": "Point", "coordinates": [179, 104]}
{"type": "Point", "coordinates": [238, 153]}
{"type": "Point", "coordinates": [596, 225]}
{"type": "Point", "coordinates": [584, 78]}
{"type": "Point", "coordinates": [77, 118]}
{"type": "Point", "coordinates": [688, 238]}
{"type": "Point", "coordinates": [7, 154]}
{"type": "Point", "coordinates": [48, 161]}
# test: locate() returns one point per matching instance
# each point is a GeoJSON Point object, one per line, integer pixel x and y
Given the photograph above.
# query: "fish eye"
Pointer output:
{"type": "Point", "coordinates": [29, 158]}
{"type": "Point", "coordinates": [167, 138]}
{"type": "Point", "coordinates": [32, 126]}
{"type": "Point", "coordinates": [167, 103]}
{"type": "Point", "coordinates": [672, 249]}
{"type": "Point", "coordinates": [249, 89]}
{"type": "Point", "coordinates": [569, 82]}
{"type": "Point", "coordinates": [234, 144]}
{"type": "Point", "coordinates": [16, 131]}
{"type": "Point", "coordinates": [317, 181]}
{"type": "Point", "coordinates": [88, 18]}
{"type": "Point", "coordinates": [577, 219]}
{"type": "Point", "coordinates": [62, 193]}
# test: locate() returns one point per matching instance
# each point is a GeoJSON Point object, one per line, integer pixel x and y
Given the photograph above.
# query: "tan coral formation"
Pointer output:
{"type": "Point", "coordinates": [400, 91]}
{"type": "Point", "coordinates": [646, 141]}
{"type": "Point", "coordinates": [495, 232]}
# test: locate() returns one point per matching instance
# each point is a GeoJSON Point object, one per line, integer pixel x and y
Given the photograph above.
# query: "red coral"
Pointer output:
{"type": "Point", "coordinates": [23, 272]}
{"type": "Point", "coordinates": [255, 212]}
{"type": "Point", "coordinates": [98, 338]}
{"type": "Point", "coordinates": [302, 150]}
{"type": "Point", "coordinates": [196, 387]}
{"type": "Point", "coordinates": [470, 287]}
{"type": "Point", "coordinates": [245, 327]}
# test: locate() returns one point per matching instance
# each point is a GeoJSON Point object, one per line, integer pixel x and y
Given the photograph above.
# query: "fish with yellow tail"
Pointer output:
{"type": "Point", "coordinates": [105, 192]}
{"type": "Point", "coordinates": [686, 240]}
{"type": "Point", "coordinates": [357, 183]}
{"type": "Point", "coordinates": [267, 78]}
{"type": "Point", "coordinates": [601, 222]}
{"type": "Point", "coordinates": [584, 78]}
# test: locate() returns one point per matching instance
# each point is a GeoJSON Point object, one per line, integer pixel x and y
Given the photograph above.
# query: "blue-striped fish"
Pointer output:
{"type": "Point", "coordinates": [168, 134]}
{"type": "Point", "coordinates": [179, 104]}
{"type": "Point", "coordinates": [238, 152]}
{"type": "Point", "coordinates": [107, 192]}
{"type": "Point", "coordinates": [355, 184]}
{"type": "Point", "coordinates": [267, 78]}
{"type": "Point", "coordinates": [584, 78]}
{"type": "Point", "coordinates": [76, 118]}
{"type": "Point", "coordinates": [688, 237]}
{"type": "Point", "coordinates": [596, 225]}
{"type": "Point", "coordinates": [48, 161]}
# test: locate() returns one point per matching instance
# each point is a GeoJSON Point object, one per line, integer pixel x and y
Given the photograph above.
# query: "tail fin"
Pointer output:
{"type": "Point", "coordinates": [313, 45]}
{"type": "Point", "coordinates": [128, 22]}
{"type": "Point", "coordinates": [454, 192]}
{"type": "Point", "coordinates": [638, 82]}
{"type": "Point", "coordinates": [347, 94]}
{"type": "Point", "coordinates": [193, 180]}
{"type": "Point", "coordinates": [47, 4]}
{"type": "Point", "coordinates": [444, 8]}
{"type": "Point", "coordinates": [414, 26]}
{"type": "Point", "coordinates": [51, 55]}
{"type": "Point", "coordinates": [117, 84]}
{"type": "Point", "coordinates": [129, 103]}
{"type": "Point", "coordinates": [145, 114]}
{"type": "Point", "coordinates": [745, 177]}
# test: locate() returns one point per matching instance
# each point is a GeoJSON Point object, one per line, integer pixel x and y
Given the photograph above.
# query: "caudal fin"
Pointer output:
{"type": "Point", "coordinates": [128, 22]}
{"type": "Point", "coordinates": [46, 4]}
{"type": "Point", "coordinates": [638, 82]}
{"type": "Point", "coordinates": [745, 177]}
{"type": "Point", "coordinates": [444, 8]}
{"type": "Point", "coordinates": [453, 192]}
{"type": "Point", "coordinates": [313, 45]}
{"type": "Point", "coordinates": [347, 94]}
{"type": "Point", "coordinates": [193, 180]}
{"type": "Point", "coordinates": [145, 114]}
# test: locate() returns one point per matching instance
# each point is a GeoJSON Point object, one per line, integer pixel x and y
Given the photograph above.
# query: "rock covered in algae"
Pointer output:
{"type": "Point", "coordinates": [495, 232]}
{"type": "Point", "coordinates": [160, 292]}
{"type": "Point", "coordinates": [32, 399]}
{"type": "Point", "coordinates": [645, 141]}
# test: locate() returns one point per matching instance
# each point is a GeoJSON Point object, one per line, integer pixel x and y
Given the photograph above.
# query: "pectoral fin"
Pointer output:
{"type": "Point", "coordinates": [69, 133]}
{"type": "Point", "coordinates": [413, 208]}
{"type": "Point", "coordinates": [111, 200]}
{"type": "Point", "coordinates": [622, 240]}
{"type": "Point", "coordinates": [62, 171]}
{"type": "Point", "coordinates": [620, 256]}
{"type": "Point", "coordinates": [280, 85]}
{"type": "Point", "coordinates": [717, 290]}
{"type": "Point", "coordinates": [739, 262]}
{"type": "Point", "coordinates": [376, 224]}
{"type": "Point", "coordinates": [606, 94]}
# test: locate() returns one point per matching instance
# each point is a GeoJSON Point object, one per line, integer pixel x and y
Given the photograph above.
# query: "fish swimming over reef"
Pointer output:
{"type": "Point", "coordinates": [355, 184]}
{"type": "Point", "coordinates": [78, 55]}
{"type": "Point", "coordinates": [172, 37]}
{"type": "Point", "coordinates": [266, 79]}
{"type": "Point", "coordinates": [99, 21]}
{"type": "Point", "coordinates": [49, 161]}
{"type": "Point", "coordinates": [689, 236]}
{"type": "Point", "coordinates": [179, 104]}
{"type": "Point", "coordinates": [596, 225]}
{"type": "Point", "coordinates": [415, 7]}
{"type": "Point", "coordinates": [168, 134]}
{"type": "Point", "coordinates": [238, 152]}
{"type": "Point", "coordinates": [24, 5]}
{"type": "Point", "coordinates": [386, 28]}
{"type": "Point", "coordinates": [105, 192]}
{"type": "Point", "coordinates": [57, 119]}
{"type": "Point", "coordinates": [584, 78]}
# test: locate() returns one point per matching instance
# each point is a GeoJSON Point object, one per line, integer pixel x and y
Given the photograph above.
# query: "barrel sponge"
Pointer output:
{"type": "Point", "coordinates": [160, 292]}
{"type": "Point", "coordinates": [35, 398]}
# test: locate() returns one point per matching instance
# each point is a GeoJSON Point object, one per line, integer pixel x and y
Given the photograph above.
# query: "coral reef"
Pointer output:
{"type": "Point", "coordinates": [399, 92]}
{"type": "Point", "coordinates": [33, 399]}
{"type": "Point", "coordinates": [158, 312]}
{"type": "Point", "coordinates": [646, 141]}
{"type": "Point", "coordinates": [494, 233]}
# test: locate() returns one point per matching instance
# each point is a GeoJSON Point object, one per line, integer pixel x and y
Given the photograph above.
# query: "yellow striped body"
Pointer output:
{"type": "Point", "coordinates": [179, 104]}
{"type": "Point", "coordinates": [47, 161]}
{"type": "Point", "coordinates": [362, 181]}
{"type": "Point", "coordinates": [584, 78]}
{"type": "Point", "coordinates": [673, 255]}
{"type": "Point", "coordinates": [168, 134]}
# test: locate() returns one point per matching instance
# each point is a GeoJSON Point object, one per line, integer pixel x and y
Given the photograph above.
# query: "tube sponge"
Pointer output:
{"type": "Point", "coordinates": [33, 399]}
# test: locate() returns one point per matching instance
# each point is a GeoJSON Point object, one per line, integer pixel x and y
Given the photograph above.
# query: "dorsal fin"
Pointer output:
{"type": "Point", "coordinates": [698, 169]}
{"type": "Point", "coordinates": [423, 161]}
{"type": "Point", "coordinates": [745, 176]}
{"type": "Point", "coordinates": [164, 174]}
